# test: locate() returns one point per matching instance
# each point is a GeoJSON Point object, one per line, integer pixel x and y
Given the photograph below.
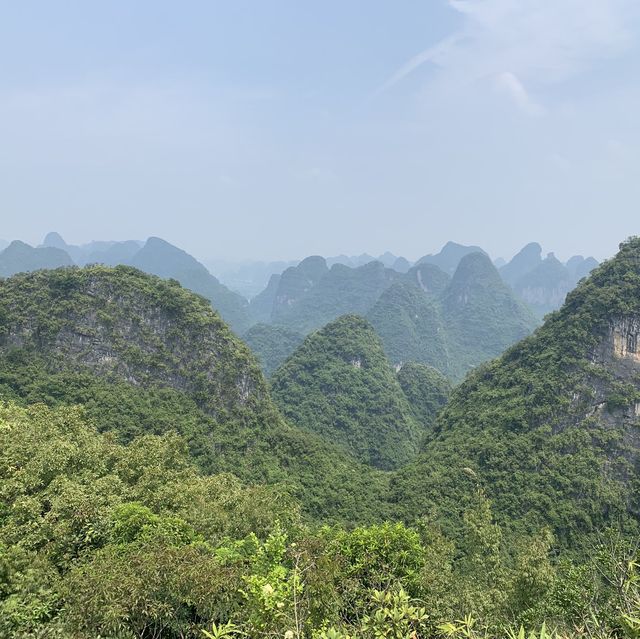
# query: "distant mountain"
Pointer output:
{"type": "Point", "coordinates": [402, 265]}
{"type": "Point", "coordinates": [110, 253]}
{"type": "Point", "coordinates": [579, 267]}
{"type": "Point", "coordinates": [19, 257]}
{"type": "Point", "coordinates": [303, 305]}
{"type": "Point", "coordinates": [165, 260]}
{"type": "Point", "coordinates": [261, 306]}
{"type": "Point", "coordinates": [450, 324]}
{"type": "Point", "coordinates": [546, 286]}
{"type": "Point", "coordinates": [449, 256]}
{"type": "Point", "coordinates": [54, 240]}
{"type": "Point", "coordinates": [411, 327]}
{"type": "Point", "coordinates": [429, 277]}
{"type": "Point", "coordinates": [271, 344]}
{"type": "Point", "coordinates": [158, 257]}
{"type": "Point", "coordinates": [481, 314]}
{"type": "Point", "coordinates": [549, 431]}
{"type": "Point", "coordinates": [528, 259]}
{"type": "Point", "coordinates": [296, 282]}
{"type": "Point", "coordinates": [339, 384]}
{"type": "Point", "coordinates": [388, 259]}
{"type": "Point", "coordinates": [247, 278]}
{"type": "Point", "coordinates": [114, 254]}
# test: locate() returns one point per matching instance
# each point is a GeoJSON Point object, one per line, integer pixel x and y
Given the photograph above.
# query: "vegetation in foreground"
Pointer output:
{"type": "Point", "coordinates": [98, 539]}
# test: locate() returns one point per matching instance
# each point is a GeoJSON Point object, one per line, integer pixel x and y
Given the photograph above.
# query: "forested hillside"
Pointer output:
{"type": "Point", "coordinates": [550, 429]}
{"type": "Point", "coordinates": [339, 384]}
{"type": "Point", "coordinates": [144, 355]}
{"type": "Point", "coordinates": [151, 487]}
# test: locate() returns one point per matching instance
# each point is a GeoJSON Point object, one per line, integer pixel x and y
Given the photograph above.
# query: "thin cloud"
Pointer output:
{"type": "Point", "coordinates": [509, 84]}
{"type": "Point", "coordinates": [526, 41]}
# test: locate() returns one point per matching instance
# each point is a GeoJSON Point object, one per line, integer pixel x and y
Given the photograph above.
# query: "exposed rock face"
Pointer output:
{"type": "Point", "coordinates": [625, 334]}
{"type": "Point", "coordinates": [124, 324]}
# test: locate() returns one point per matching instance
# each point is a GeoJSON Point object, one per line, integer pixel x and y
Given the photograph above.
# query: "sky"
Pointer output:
{"type": "Point", "coordinates": [275, 129]}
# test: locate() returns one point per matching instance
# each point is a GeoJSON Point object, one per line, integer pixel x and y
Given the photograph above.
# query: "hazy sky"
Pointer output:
{"type": "Point", "coordinates": [280, 128]}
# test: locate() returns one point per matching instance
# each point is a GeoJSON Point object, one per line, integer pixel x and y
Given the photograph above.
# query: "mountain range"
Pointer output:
{"type": "Point", "coordinates": [415, 309]}
{"type": "Point", "coordinates": [153, 480]}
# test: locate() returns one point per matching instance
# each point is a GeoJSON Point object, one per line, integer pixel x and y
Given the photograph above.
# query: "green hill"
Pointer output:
{"type": "Point", "coordinates": [143, 355]}
{"type": "Point", "coordinates": [450, 324]}
{"type": "Point", "coordinates": [550, 429]}
{"type": "Point", "coordinates": [411, 327]}
{"type": "Point", "coordinates": [271, 344]}
{"type": "Point", "coordinates": [339, 384]}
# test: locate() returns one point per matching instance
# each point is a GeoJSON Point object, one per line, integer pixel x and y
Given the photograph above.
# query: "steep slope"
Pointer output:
{"type": "Point", "coordinates": [579, 267]}
{"type": "Point", "coordinates": [165, 260]}
{"type": "Point", "coordinates": [429, 277]}
{"type": "Point", "coordinates": [411, 327]}
{"type": "Point", "coordinates": [143, 355]}
{"type": "Point", "coordinates": [481, 314]}
{"type": "Point", "coordinates": [295, 283]}
{"type": "Point", "coordinates": [271, 344]}
{"type": "Point", "coordinates": [56, 241]}
{"type": "Point", "coordinates": [449, 256]}
{"type": "Point", "coordinates": [426, 389]}
{"type": "Point", "coordinates": [551, 429]}
{"type": "Point", "coordinates": [19, 257]}
{"type": "Point", "coordinates": [341, 291]}
{"type": "Point", "coordinates": [545, 287]}
{"type": "Point", "coordinates": [261, 306]}
{"type": "Point", "coordinates": [339, 384]}
{"type": "Point", "coordinates": [522, 263]}
{"type": "Point", "coordinates": [116, 253]}
{"type": "Point", "coordinates": [402, 265]}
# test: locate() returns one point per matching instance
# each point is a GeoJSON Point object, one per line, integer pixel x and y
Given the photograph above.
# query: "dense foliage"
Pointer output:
{"type": "Point", "coordinates": [271, 344]}
{"type": "Point", "coordinates": [426, 389]}
{"type": "Point", "coordinates": [550, 429]}
{"type": "Point", "coordinates": [103, 540]}
{"type": "Point", "coordinates": [304, 304]}
{"type": "Point", "coordinates": [144, 355]}
{"type": "Point", "coordinates": [452, 325]}
{"type": "Point", "coordinates": [150, 488]}
{"type": "Point", "coordinates": [339, 384]}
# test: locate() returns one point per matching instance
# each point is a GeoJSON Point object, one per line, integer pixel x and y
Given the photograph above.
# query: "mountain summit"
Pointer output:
{"type": "Point", "coordinates": [339, 384]}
